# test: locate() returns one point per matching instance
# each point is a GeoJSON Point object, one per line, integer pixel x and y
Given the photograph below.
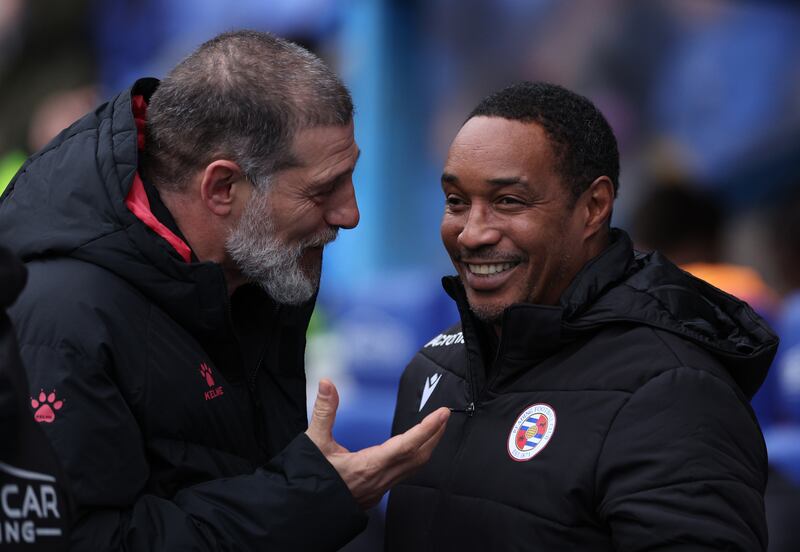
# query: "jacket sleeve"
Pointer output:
{"type": "Point", "coordinates": [297, 501]}
{"type": "Point", "coordinates": [684, 467]}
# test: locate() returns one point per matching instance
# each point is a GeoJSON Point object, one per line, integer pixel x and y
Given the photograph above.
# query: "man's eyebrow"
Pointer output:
{"type": "Point", "coordinates": [448, 178]}
{"type": "Point", "coordinates": [353, 168]}
{"type": "Point", "coordinates": [334, 178]}
{"type": "Point", "coordinates": [505, 181]}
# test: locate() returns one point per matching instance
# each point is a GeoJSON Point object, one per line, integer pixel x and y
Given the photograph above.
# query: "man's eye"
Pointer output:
{"type": "Point", "coordinates": [453, 201]}
{"type": "Point", "coordinates": [509, 200]}
{"type": "Point", "coordinates": [325, 190]}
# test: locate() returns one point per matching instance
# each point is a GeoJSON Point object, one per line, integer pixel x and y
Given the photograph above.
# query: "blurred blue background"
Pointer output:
{"type": "Point", "coordinates": [702, 94]}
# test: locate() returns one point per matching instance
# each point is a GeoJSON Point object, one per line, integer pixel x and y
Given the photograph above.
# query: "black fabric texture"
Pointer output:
{"type": "Point", "coordinates": [35, 509]}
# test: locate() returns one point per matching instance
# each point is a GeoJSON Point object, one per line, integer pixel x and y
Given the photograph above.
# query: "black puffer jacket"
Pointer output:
{"type": "Point", "coordinates": [617, 420]}
{"type": "Point", "coordinates": [180, 414]}
{"type": "Point", "coordinates": [34, 505]}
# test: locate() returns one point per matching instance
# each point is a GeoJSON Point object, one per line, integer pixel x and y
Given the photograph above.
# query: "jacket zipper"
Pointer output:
{"type": "Point", "coordinates": [469, 410]}
{"type": "Point", "coordinates": [250, 380]}
{"type": "Point", "coordinates": [259, 411]}
{"type": "Point", "coordinates": [433, 544]}
{"type": "Point", "coordinates": [465, 430]}
{"type": "Point", "coordinates": [259, 408]}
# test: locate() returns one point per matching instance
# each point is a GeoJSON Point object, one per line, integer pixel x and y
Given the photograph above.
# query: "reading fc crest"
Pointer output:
{"type": "Point", "coordinates": [531, 432]}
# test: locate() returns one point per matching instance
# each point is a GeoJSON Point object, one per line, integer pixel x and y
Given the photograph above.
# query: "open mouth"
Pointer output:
{"type": "Point", "coordinates": [488, 277]}
{"type": "Point", "coordinates": [488, 269]}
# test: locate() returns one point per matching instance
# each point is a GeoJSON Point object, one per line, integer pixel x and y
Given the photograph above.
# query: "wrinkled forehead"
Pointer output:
{"type": "Point", "coordinates": [311, 144]}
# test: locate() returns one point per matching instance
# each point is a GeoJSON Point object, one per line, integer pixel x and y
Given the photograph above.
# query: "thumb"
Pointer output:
{"type": "Point", "coordinates": [324, 413]}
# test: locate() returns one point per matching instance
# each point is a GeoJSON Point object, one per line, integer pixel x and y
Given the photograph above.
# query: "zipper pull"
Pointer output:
{"type": "Point", "coordinates": [470, 410]}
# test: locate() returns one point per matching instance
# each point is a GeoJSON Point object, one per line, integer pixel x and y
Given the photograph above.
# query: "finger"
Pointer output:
{"type": "Point", "coordinates": [404, 447]}
{"type": "Point", "coordinates": [400, 461]}
{"type": "Point", "coordinates": [324, 414]}
{"type": "Point", "coordinates": [426, 449]}
{"type": "Point", "coordinates": [432, 426]}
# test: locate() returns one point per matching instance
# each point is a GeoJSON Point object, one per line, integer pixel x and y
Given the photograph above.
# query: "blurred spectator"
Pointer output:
{"type": "Point", "coordinates": [51, 52]}
{"type": "Point", "coordinates": [55, 112]}
{"type": "Point", "coordinates": [686, 224]}
{"type": "Point", "coordinates": [44, 51]}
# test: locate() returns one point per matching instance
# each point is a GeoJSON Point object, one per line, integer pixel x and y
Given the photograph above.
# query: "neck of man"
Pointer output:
{"type": "Point", "coordinates": [204, 236]}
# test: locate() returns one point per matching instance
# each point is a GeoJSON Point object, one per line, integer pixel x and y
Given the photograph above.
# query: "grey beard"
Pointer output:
{"type": "Point", "coordinates": [265, 260]}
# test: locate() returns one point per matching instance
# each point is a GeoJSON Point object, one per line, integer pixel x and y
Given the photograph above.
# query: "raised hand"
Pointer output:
{"type": "Point", "coordinates": [370, 472]}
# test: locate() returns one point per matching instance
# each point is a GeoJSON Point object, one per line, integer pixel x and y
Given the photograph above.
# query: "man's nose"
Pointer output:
{"type": "Point", "coordinates": [478, 229]}
{"type": "Point", "coordinates": [343, 211]}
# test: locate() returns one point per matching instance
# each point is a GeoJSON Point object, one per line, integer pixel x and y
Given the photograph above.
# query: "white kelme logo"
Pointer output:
{"type": "Point", "coordinates": [430, 385]}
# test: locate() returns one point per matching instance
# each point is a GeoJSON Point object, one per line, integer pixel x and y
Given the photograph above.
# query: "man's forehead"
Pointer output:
{"type": "Point", "coordinates": [503, 149]}
{"type": "Point", "coordinates": [322, 139]}
{"type": "Point", "coordinates": [487, 134]}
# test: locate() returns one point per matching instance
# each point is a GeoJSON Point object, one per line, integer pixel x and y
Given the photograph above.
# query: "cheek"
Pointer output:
{"type": "Point", "coordinates": [449, 231]}
{"type": "Point", "coordinates": [446, 241]}
{"type": "Point", "coordinates": [301, 225]}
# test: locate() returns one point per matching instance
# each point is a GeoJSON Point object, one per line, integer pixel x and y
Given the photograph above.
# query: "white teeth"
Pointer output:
{"type": "Point", "coordinates": [489, 268]}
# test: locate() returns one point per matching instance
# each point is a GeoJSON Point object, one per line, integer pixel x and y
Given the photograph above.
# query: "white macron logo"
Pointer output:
{"type": "Point", "coordinates": [445, 339]}
{"type": "Point", "coordinates": [430, 385]}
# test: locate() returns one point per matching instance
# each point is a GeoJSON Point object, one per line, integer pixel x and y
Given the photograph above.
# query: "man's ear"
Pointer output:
{"type": "Point", "coordinates": [220, 182]}
{"type": "Point", "coordinates": [598, 203]}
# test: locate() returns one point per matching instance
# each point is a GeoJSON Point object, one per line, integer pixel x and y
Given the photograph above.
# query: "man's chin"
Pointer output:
{"type": "Point", "coordinates": [294, 288]}
{"type": "Point", "coordinates": [311, 262]}
{"type": "Point", "coordinates": [488, 313]}
{"type": "Point", "coordinates": [291, 297]}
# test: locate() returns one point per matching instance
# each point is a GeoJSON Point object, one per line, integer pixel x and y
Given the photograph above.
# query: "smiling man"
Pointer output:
{"type": "Point", "coordinates": [173, 240]}
{"type": "Point", "coordinates": [599, 395]}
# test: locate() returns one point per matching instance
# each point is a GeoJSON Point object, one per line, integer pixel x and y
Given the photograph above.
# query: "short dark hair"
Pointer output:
{"type": "Point", "coordinates": [581, 138]}
{"type": "Point", "coordinates": [241, 96]}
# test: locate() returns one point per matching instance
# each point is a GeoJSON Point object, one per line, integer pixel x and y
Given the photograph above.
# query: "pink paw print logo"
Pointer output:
{"type": "Point", "coordinates": [46, 406]}
{"type": "Point", "coordinates": [205, 371]}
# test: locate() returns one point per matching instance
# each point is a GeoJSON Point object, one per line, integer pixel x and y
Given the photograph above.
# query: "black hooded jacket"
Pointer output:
{"type": "Point", "coordinates": [616, 420]}
{"type": "Point", "coordinates": [181, 412]}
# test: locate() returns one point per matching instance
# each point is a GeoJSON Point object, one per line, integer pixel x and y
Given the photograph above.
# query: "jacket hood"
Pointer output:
{"type": "Point", "coordinates": [623, 286]}
{"type": "Point", "coordinates": [78, 198]}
